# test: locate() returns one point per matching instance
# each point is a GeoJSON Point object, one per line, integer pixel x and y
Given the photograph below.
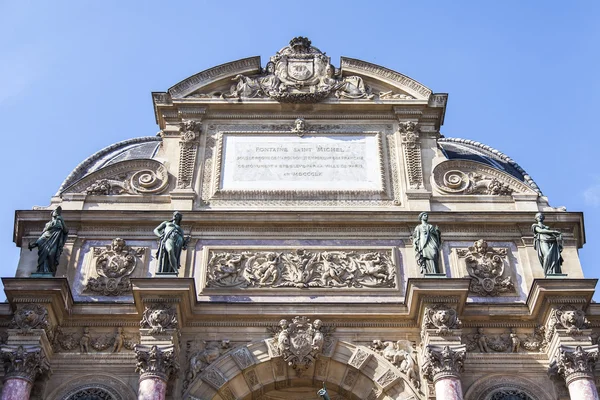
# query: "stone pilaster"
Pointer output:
{"type": "Point", "coordinates": [442, 366]}
{"type": "Point", "coordinates": [576, 367]}
{"type": "Point", "coordinates": [22, 365]}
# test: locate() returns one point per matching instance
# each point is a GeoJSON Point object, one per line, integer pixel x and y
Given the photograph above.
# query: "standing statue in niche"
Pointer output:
{"type": "Point", "coordinates": [170, 244]}
{"type": "Point", "coordinates": [427, 240]}
{"type": "Point", "coordinates": [548, 243]}
{"type": "Point", "coordinates": [50, 243]}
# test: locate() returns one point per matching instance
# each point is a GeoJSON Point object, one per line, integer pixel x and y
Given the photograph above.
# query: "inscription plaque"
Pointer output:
{"type": "Point", "coordinates": [349, 162]}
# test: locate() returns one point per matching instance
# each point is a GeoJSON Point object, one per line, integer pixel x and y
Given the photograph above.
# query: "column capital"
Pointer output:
{"type": "Point", "coordinates": [156, 361]}
{"type": "Point", "coordinates": [24, 361]}
{"type": "Point", "coordinates": [443, 362]}
{"type": "Point", "coordinates": [572, 364]}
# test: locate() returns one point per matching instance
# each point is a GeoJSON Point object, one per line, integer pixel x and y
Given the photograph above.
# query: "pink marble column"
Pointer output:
{"type": "Point", "coordinates": [448, 388]}
{"type": "Point", "coordinates": [443, 365]}
{"type": "Point", "coordinates": [16, 389]}
{"type": "Point", "coordinates": [155, 364]}
{"type": "Point", "coordinates": [583, 388]}
{"type": "Point", "coordinates": [152, 388]}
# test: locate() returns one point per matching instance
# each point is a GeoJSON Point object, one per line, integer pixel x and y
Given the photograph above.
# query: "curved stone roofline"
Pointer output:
{"type": "Point", "coordinates": [79, 169]}
{"type": "Point", "coordinates": [528, 179]}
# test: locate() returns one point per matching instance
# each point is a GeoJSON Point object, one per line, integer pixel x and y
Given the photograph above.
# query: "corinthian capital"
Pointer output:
{"type": "Point", "coordinates": [24, 362]}
{"type": "Point", "coordinates": [156, 361]}
{"type": "Point", "coordinates": [442, 362]}
{"type": "Point", "coordinates": [575, 364]}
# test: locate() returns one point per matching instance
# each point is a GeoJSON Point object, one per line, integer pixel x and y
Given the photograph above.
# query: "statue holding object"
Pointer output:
{"type": "Point", "coordinates": [549, 245]}
{"type": "Point", "coordinates": [427, 241]}
{"type": "Point", "coordinates": [50, 244]}
{"type": "Point", "coordinates": [171, 242]}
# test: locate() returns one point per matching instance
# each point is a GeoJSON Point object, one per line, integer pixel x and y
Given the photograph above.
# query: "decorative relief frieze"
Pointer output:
{"type": "Point", "coordinates": [301, 342]}
{"type": "Point", "coordinates": [473, 178]}
{"type": "Point", "coordinates": [411, 144]}
{"type": "Point", "coordinates": [441, 317]}
{"type": "Point", "coordinates": [188, 149]}
{"type": "Point", "coordinates": [483, 343]}
{"type": "Point", "coordinates": [132, 177]}
{"type": "Point", "coordinates": [159, 317]}
{"type": "Point", "coordinates": [485, 266]}
{"type": "Point", "coordinates": [24, 362]}
{"type": "Point", "coordinates": [403, 355]}
{"type": "Point", "coordinates": [114, 265]}
{"type": "Point", "coordinates": [443, 361]}
{"type": "Point", "coordinates": [83, 340]}
{"type": "Point", "coordinates": [301, 268]}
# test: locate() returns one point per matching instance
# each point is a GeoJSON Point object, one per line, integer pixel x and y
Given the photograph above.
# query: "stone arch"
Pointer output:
{"type": "Point", "coordinates": [488, 386]}
{"type": "Point", "coordinates": [117, 389]}
{"type": "Point", "coordinates": [351, 372]}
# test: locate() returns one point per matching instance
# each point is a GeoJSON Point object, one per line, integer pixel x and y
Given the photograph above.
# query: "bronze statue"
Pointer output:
{"type": "Point", "coordinates": [548, 244]}
{"type": "Point", "coordinates": [170, 244]}
{"type": "Point", "coordinates": [50, 243]}
{"type": "Point", "coordinates": [427, 240]}
{"type": "Point", "coordinates": [323, 393]}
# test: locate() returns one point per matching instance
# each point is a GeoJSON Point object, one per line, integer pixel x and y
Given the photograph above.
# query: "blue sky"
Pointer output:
{"type": "Point", "coordinates": [521, 76]}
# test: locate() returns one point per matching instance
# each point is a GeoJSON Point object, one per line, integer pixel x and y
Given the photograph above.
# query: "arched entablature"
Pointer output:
{"type": "Point", "coordinates": [349, 372]}
{"type": "Point", "coordinates": [501, 386]}
{"type": "Point", "coordinates": [103, 386]}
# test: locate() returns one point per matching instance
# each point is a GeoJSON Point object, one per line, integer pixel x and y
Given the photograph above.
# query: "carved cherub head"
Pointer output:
{"type": "Point", "coordinates": [299, 125]}
{"type": "Point", "coordinates": [118, 245]}
{"type": "Point", "coordinates": [480, 246]}
{"type": "Point", "coordinates": [283, 324]}
{"type": "Point", "coordinates": [317, 324]}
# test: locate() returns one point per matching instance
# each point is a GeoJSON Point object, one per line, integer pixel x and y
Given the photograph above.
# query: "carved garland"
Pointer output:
{"type": "Point", "coordinates": [188, 148]}
{"type": "Point", "coordinates": [411, 144]}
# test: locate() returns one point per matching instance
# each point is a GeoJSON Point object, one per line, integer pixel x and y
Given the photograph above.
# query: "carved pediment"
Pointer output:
{"type": "Point", "coordinates": [143, 176]}
{"type": "Point", "coordinates": [462, 177]}
{"type": "Point", "coordinates": [298, 73]}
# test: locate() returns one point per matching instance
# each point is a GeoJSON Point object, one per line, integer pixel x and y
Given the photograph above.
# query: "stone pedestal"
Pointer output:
{"type": "Point", "coordinates": [16, 389]}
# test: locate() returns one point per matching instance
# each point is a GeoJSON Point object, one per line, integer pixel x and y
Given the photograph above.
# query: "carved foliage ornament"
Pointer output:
{"type": "Point", "coordinates": [403, 355]}
{"type": "Point", "coordinates": [441, 317]}
{"type": "Point", "coordinates": [445, 361]}
{"type": "Point", "coordinates": [158, 317]}
{"type": "Point", "coordinates": [30, 316]}
{"type": "Point", "coordinates": [24, 362]}
{"type": "Point", "coordinates": [301, 269]}
{"type": "Point", "coordinates": [412, 153]}
{"type": "Point", "coordinates": [299, 73]}
{"type": "Point", "coordinates": [114, 264]}
{"type": "Point", "coordinates": [485, 266]}
{"type": "Point", "coordinates": [156, 361]}
{"type": "Point", "coordinates": [301, 342]}
{"type": "Point", "coordinates": [473, 178]}
{"type": "Point", "coordinates": [189, 130]}
{"type": "Point", "coordinates": [571, 363]}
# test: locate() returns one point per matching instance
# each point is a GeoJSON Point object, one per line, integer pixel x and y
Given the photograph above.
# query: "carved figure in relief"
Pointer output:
{"type": "Point", "coordinates": [486, 269]}
{"type": "Point", "coordinates": [329, 272]}
{"type": "Point", "coordinates": [482, 341]}
{"type": "Point", "coordinates": [200, 359]}
{"type": "Point", "coordinates": [353, 87]}
{"type": "Point", "coordinates": [268, 272]}
{"type": "Point", "coordinates": [50, 243]}
{"type": "Point", "coordinates": [372, 266]}
{"type": "Point", "coordinates": [548, 243]}
{"type": "Point", "coordinates": [318, 338]}
{"type": "Point", "coordinates": [228, 267]}
{"type": "Point", "coordinates": [84, 342]}
{"type": "Point", "coordinates": [427, 241]}
{"type": "Point", "coordinates": [119, 340]}
{"type": "Point", "coordinates": [515, 342]}
{"type": "Point", "coordinates": [283, 339]}
{"type": "Point", "coordinates": [245, 87]}
{"type": "Point", "coordinates": [402, 354]}
{"type": "Point", "coordinates": [171, 242]}
{"type": "Point", "coordinates": [114, 264]}
{"type": "Point", "coordinates": [301, 342]}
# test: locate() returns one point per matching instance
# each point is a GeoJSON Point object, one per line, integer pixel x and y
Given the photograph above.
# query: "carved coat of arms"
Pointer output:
{"type": "Point", "coordinates": [301, 342]}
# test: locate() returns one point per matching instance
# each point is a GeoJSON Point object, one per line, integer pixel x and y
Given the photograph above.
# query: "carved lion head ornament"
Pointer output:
{"type": "Point", "coordinates": [159, 317]}
{"type": "Point", "coordinates": [442, 318]}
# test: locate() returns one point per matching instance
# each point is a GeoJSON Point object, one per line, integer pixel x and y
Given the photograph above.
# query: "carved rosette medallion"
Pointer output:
{"type": "Point", "coordinates": [159, 317]}
{"type": "Point", "coordinates": [30, 316]}
{"type": "Point", "coordinates": [114, 264]}
{"type": "Point", "coordinates": [411, 144]}
{"type": "Point", "coordinates": [571, 364]}
{"type": "Point", "coordinates": [441, 317]}
{"type": "Point", "coordinates": [444, 362]}
{"type": "Point", "coordinates": [485, 266]}
{"type": "Point", "coordinates": [156, 361]}
{"type": "Point", "coordinates": [301, 269]}
{"type": "Point", "coordinates": [24, 362]}
{"type": "Point", "coordinates": [188, 146]}
{"type": "Point", "coordinates": [301, 342]}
